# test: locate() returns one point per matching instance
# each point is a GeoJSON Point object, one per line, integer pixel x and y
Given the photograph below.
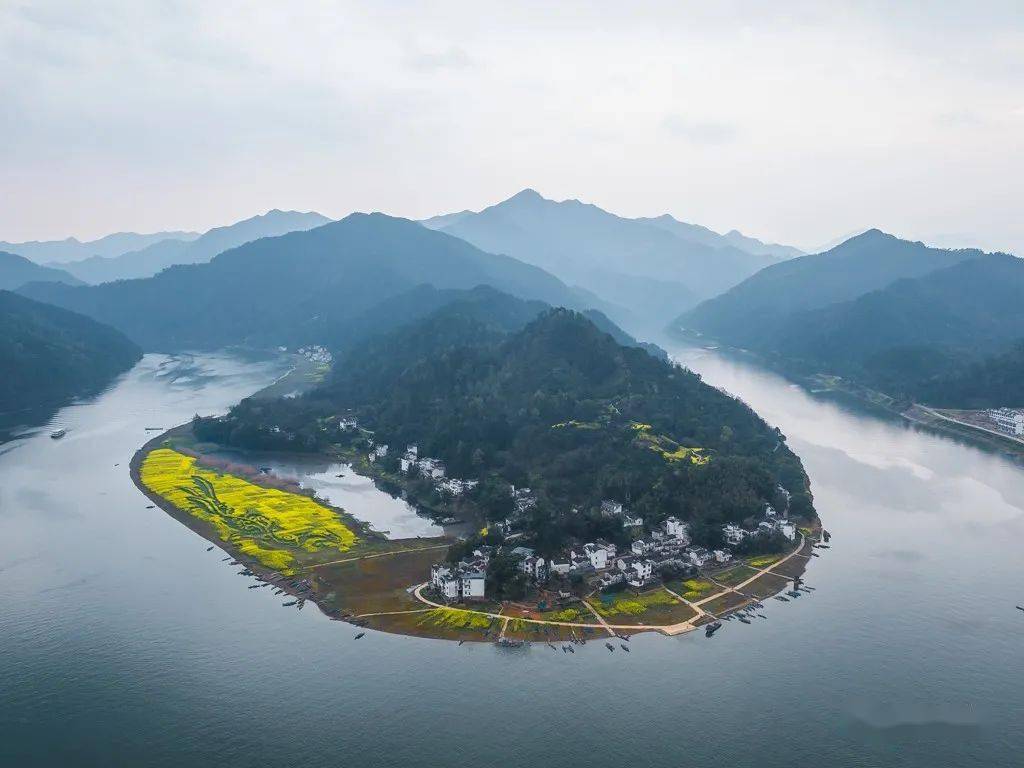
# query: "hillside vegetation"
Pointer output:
{"type": "Point", "coordinates": [49, 355]}
{"type": "Point", "coordinates": [558, 406]}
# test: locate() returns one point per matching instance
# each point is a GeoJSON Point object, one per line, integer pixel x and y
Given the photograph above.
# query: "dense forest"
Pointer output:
{"type": "Point", "coordinates": [941, 333]}
{"type": "Point", "coordinates": [49, 355]}
{"type": "Point", "coordinates": [558, 406]}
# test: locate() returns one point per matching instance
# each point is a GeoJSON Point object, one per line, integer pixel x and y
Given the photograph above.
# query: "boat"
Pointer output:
{"type": "Point", "coordinates": [782, 599]}
{"type": "Point", "coordinates": [744, 619]}
{"type": "Point", "coordinates": [507, 642]}
{"type": "Point", "coordinates": [209, 549]}
{"type": "Point", "coordinates": [571, 649]}
{"type": "Point", "coordinates": [359, 635]}
{"type": "Point", "coordinates": [624, 647]}
{"type": "Point", "coordinates": [609, 646]}
{"type": "Point", "coordinates": [711, 628]}
{"type": "Point", "coordinates": [815, 554]}
{"type": "Point", "coordinates": [289, 603]}
{"type": "Point", "coordinates": [552, 647]}
{"type": "Point", "coordinates": [151, 506]}
{"type": "Point", "coordinates": [58, 434]}
{"type": "Point", "coordinates": [461, 642]}
{"type": "Point", "coordinates": [1019, 608]}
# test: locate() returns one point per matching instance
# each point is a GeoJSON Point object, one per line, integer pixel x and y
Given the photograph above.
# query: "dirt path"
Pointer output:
{"type": "Point", "coordinates": [377, 554]}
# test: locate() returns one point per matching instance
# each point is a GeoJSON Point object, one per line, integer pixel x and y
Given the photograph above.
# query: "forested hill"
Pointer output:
{"type": "Point", "coordinates": [752, 313]}
{"type": "Point", "coordinates": [16, 271]}
{"type": "Point", "coordinates": [298, 288]}
{"type": "Point", "coordinates": [558, 406]}
{"type": "Point", "coordinates": [49, 355]}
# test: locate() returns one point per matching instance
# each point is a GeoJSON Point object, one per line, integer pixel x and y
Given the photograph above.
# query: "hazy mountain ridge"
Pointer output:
{"type": "Point", "coordinates": [16, 271]}
{"type": "Point", "coordinates": [896, 315]}
{"type": "Point", "coordinates": [58, 252]}
{"type": "Point", "coordinates": [297, 288]}
{"type": "Point", "coordinates": [169, 252]}
{"type": "Point", "coordinates": [750, 313]}
{"type": "Point", "coordinates": [646, 265]}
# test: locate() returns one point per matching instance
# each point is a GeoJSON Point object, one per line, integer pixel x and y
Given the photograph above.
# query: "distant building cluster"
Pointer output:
{"type": "Point", "coordinates": [1008, 420]}
{"type": "Point", "coordinates": [433, 469]}
{"type": "Point", "coordinates": [317, 354]}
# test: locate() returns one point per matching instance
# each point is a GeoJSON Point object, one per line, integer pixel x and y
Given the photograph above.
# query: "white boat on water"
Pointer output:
{"type": "Point", "coordinates": [58, 434]}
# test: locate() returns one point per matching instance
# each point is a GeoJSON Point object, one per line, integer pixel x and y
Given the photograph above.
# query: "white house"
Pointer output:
{"type": "Point", "coordinates": [611, 508]}
{"type": "Point", "coordinates": [733, 534]}
{"type": "Point", "coordinates": [474, 585]}
{"type": "Point", "coordinates": [533, 567]}
{"type": "Point", "coordinates": [721, 556]}
{"type": "Point", "coordinates": [677, 529]}
{"type": "Point", "coordinates": [640, 547]}
{"type": "Point", "coordinates": [348, 422]}
{"type": "Point", "coordinates": [598, 556]}
{"type": "Point", "coordinates": [788, 530]}
{"type": "Point", "coordinates": [432, 468]}
{"type": "Point", "coordinates": [699, 556]}
{"type": "Point", "coordinates": [412, 451]}
{"type": "Point", "coordinates": [381, 451]}
{"type": "Point", "coordinates": [438, 573]}
{"type": "Point", "coordinates": [632, 522]}
{"type": "Point", "coordinates": [640, 573]}
{"type": "Point", "coordinates": [556, 567]}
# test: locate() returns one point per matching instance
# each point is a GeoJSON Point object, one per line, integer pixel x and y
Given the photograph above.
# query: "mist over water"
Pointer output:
{"type": "Point", "coordinates": [125, 642]}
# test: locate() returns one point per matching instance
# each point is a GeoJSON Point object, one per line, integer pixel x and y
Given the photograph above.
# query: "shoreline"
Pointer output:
{"type": "Point", "coordinates": [866, 399]}
{"type": "Point", "coordinates": [306, 586]}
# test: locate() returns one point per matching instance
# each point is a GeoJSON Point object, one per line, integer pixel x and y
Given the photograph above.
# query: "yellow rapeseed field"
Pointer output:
{"type": "Point", "coordinates": [264, 523]}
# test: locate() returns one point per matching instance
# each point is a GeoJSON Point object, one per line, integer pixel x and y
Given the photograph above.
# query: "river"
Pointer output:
{"type": "Point", "coordinates": [124, 642]}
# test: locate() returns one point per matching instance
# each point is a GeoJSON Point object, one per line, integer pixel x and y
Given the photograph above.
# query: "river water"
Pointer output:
{"type": "Point", "coordinates": [123, 642]}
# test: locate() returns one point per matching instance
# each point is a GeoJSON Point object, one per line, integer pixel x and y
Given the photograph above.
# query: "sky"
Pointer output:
{"type": "Point", "coordinates": [796, 122]}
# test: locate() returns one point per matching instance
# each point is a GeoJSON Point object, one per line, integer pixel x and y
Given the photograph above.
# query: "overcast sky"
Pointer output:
{"type": "Point", "coordinates": [795, 122]}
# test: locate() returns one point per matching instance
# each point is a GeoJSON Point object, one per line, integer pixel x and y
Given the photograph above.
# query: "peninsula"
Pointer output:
{"type": "Point", "coordinates": [604, 489]}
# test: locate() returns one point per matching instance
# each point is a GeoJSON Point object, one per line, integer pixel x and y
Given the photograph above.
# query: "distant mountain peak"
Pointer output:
{"type": "Point", "coordinates": [528, 195]}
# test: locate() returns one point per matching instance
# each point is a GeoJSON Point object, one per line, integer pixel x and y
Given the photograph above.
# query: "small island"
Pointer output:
{"type": "Point", "coordinates": [602, 490]}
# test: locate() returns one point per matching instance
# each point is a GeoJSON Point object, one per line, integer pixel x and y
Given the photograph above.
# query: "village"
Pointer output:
{"type": "Point", "coordinates": [665, 552]}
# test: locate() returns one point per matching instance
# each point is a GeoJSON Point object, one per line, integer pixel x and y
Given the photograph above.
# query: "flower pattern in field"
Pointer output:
{"type": "Point", "coordinates": [265, 523]}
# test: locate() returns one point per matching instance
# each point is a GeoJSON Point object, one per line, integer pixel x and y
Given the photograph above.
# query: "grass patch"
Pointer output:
{"type": "Point", "coordinates": [763, 561]}
{"type": "Point", "coordinates": [632, 605]}
{"type": "Point", "coordinates": [693, 589]}
{"type": "Point", "coordinates": [735, 575]}
{"type": "Point", "coordinates": [450, 618]}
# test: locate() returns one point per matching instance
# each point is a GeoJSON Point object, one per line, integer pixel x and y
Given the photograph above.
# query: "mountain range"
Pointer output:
{"type": "Point", "coordinates": [895, 315]}
{"type": "Point", "coordinates": [72, 249]}
{"type": "Point", "coordinates": [169, 252]}
{"type": "Point", "coordinates": [648, 268]}
{"type": "Point", "coordinates": [16, 271]}
{"type": "Point", "coordinates": [298, 288]}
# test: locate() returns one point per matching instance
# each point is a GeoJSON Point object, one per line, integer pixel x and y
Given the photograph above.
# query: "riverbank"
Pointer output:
{"type": "Point", "coordinates": [854, 394]}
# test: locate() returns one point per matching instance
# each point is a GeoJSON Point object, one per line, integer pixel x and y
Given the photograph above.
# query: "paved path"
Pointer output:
{"type": "Point", "coordinates": [667, 629]}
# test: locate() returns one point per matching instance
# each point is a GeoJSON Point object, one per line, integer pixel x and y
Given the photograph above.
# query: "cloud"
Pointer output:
{"type": "Point", "coordinates": [699, 131]}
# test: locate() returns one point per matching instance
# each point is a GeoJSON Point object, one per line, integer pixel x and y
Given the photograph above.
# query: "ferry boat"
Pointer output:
{"type": "Point", "coordinates": [58, 434]}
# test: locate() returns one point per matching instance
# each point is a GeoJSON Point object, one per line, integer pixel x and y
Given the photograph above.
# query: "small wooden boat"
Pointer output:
{"type": "Point", "coordinates": [610, 647]}
{"type": "Point", "coordinates": [359, 635]}
{"type": "Point", "coordinates": [624, 647]}
{"type": "Point", "coordinates": [209, 549]}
